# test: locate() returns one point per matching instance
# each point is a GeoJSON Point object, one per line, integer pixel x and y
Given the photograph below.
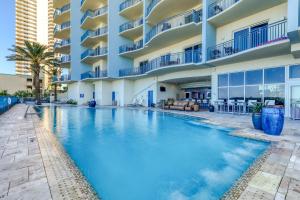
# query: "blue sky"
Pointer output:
{"type": "Point", "coordinates": [7, 39]}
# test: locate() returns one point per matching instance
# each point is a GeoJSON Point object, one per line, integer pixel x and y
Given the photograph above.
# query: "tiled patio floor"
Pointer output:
{"type": "Point", "coordinates": [33, 165]}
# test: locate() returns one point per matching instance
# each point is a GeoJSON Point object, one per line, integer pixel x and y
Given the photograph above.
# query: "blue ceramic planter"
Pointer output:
{"type": "Point", "coordinates": [92, 104]}
{"type": "Point", "coordinates": [272, 120]}
{"type": "Point", "coordinates": [256, 120]}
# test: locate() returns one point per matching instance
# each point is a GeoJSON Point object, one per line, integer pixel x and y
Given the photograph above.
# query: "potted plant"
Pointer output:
{"type": "Point", "coordinates": [257, 115]}
{"type": "Point", "coordinates": [92, 103]}
{"type": "Point", "coordinates": [211, 108]}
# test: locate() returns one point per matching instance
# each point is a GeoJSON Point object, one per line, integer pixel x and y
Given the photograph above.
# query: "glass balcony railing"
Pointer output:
{"type": "Point", "coordinates": [194, 16]}
{"type": "Point", "coordinates": [131, 25]}
{"type": "Point", "coordinates": [62, 43]}
{"type": "Point", "coordinates": [250, 39]}
{"type": "Point", "coordinates": [131, 47]}
{"type": "Point", "coordinates": [152, 4]}
{"type": "Point", "coordinates": [94, 74]}
{"type": "Point", "coordinates": [219, 6]}
{"type": "Point", "coordinates": [62, 26]}
{"type": "Point", "coordinates": [95, 13]}
{"type": "Point", "coordinates": [65, 59]}
{"type": "Point", "coordinates": [61, 10]}
{"type": "Point", "coordinates": [64, 77]}
{"type": "Point", "coordinates": [168, 60]}
{"type": "Point", "coordinates": [99, 51]}
{"type": "Point", "coordinates": [127, 4]}
{"type": "Point", "coordinates": [99, 32]}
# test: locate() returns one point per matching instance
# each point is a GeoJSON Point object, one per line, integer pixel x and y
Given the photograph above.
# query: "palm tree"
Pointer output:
{"type": "Point", "coordinates": [54, 72]}
{"type": "Point", "coordinates": [38, 57]}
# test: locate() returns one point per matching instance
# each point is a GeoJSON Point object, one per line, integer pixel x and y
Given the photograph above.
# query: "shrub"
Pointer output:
{"type": "Point", "coordinates": [72, 102]}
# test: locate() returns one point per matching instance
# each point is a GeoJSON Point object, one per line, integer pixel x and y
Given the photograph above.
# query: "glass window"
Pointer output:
{"type": "Point", "coordinates": [236, 79]}
{"type": "Point", "coordinates": [275, 75]}
{"type": "Point", "coordinates": [295, 71]}
{"type": "Point", "coordinates": [254, 77]}
{"type": "Point", "coordinates": [223, 93]}
{"type": "Point", "coordinates": [254, 92]}
{"type": "Point", "coordinates": [274, 91]}
{"type": "Point", "coordinates": [223, 80]}
{"type": "Point", "coordinates": [236, 92]}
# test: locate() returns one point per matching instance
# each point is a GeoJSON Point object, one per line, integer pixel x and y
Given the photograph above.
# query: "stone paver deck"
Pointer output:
{"type": "Point", "coordinates": [33, 165]}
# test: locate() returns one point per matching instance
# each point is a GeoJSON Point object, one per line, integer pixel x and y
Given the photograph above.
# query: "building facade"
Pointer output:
{"type": "Point", "coordinates": [13, 83]}
{"type": "Point", "coordinates": [31, 16]}
{"type": "Point", "coordinates": [145, 51]}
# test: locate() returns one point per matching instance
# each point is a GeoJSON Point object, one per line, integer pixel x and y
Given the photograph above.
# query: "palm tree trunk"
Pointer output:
{"type": "Point", "coordinates": [37, 88]}
{"type": "Point", "coordinates": [55, 92]}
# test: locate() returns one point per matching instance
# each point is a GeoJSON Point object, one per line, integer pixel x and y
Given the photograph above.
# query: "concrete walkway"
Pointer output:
{"type": "Point", "coordinates": [33, 164]}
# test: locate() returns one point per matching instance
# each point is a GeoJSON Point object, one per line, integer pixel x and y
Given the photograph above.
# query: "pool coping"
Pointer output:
{"type": "Point", "coordinates": [64, 178]}
{"type": "Point", "coordinates": [241, 185]}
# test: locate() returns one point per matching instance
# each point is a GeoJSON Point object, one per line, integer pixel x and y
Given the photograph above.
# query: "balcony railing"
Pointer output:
{"type": "Point", "coordinates": [94, 74]}
{"type": "Point", "coordinates": [99, 32]}
{"type": "Point", "coordinates": [131, 47]}
{"type": "Point", "coordinates": [152, 4]}
{"type": "Point", "coordinates": [255, 38]}
{"type": "Point", "coordinates": [194, 16]}
{"type": "Point", "coordinates": [61, 27]}
{"type": "Point", "coordinates": [61, 10]}
{"type": "Point", "coordinates": [95, 13]}
{"type": "Point", "coordinates": [99, 51]}
{"type": "Point", "coordinates": [64, 77]}
{"type": "Point", "coordinates": [62, 43]}
{"type": "Point", "coordinates": [168, 60]}
{"type": "Point", "coordinates": [131, 25]}
{"type": "Point", "coordinates": [219, 6]}
{"type": "Point", "coordinates": [65, 59]}
{"type": "Point", "coordinates": [127, 4]}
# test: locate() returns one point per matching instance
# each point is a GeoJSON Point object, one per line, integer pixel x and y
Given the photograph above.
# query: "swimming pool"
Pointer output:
{"type": "Point", "coordinates": [130, 154]}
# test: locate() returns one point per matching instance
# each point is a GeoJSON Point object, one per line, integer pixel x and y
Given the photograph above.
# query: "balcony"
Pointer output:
{"type": "Point", "coordinates": [131, 9]}
{"type": "Point", "coordinates": [65, 78]}
{"type": "Point", "coordinates": [62, 31]}
{"type": "Point", "coordinates": [166, 63]}
{"type": "Point", "coordinates": [91, 4]}
{"type": "Point", "coordinates": [65, 61]}
{"type": "Point", "coordinates": [94, 75]}
{"type": "Point", "coordinates": [262, 42]}
{"type": "Point", "coordinates": [222, 12]}
{"type": "Point", "coordinates": [91, 38]}
{"type": "Point", "coordinates": [92, 19]}
{"type": "Point", "coordinates": [62, 14]}
{"type": "Point", "coordinates": [159, 10]}
{"type": "Point", "coordinates": [62, 46]}
{"type": "Point", "coordinates": [60, 3]}
{"type": "Point", "coordinates": [132, 30]}
{"type": "Point", "coordinates": [175, 29]}
{"type": "Point", "coordinates": [90, 56]}
{"type": "Point", "coordinates": [131, 50]}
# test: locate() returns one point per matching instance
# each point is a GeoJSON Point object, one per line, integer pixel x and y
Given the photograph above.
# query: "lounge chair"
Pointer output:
{"type": "Point", "coordinates": [179, 105]}
{"type": "Point", "coordinates": [191, 106]}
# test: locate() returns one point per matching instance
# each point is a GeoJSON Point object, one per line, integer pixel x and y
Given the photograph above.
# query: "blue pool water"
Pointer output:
{"type": "Point", "coordinates": [131, 154]}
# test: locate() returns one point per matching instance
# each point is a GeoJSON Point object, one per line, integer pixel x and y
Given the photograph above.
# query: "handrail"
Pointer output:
{"type": "Point", "coordinates": [62, 26]}
{"type": "Point", "coordinates": [192, 16]}
{"type": "Point", "coordinates": [61, 43]}
{"type": "Point", "coordinates": [94, 13]}
{"type": "Point", "coordinates": [219, 6]}
{"type": "Point", "coordinates": [127, 4]}
{"type": "Point", "coordinates": [98, 32]}
{"type": "Point", "coordinates": [61, 10]}
{"type": "Point", "coordinates": [94, 74]}
{"type": "Point", "coordinates": [98, 51]}
{"type": "Point", "coordinates": [131, 47]}
{"type": "Point", "coordinates": [131, 25]}
{"type": "Point", "coordinates": [152, 4]}
{"type": "Point", "coordinates": [261, 36]}
{"type": "Point", "coordinates": [173, 59]}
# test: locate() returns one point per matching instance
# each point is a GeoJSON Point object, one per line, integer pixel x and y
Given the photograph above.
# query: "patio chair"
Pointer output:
{"type": "Point", "coordinates": [241, 106]}
{"type": "Point", "coordinates": [250, 105]}
{"type": "Point", "coordinates": [231, 104]}
{"type": "Point", "coordinates": [190, 106]}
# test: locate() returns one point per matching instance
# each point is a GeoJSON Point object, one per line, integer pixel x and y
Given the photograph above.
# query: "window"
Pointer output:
{"type": "Point", "coordinates": [223, 80]}
{"type": "Point", "coordinates": [236, 79]}
{"type": "Point", "coordinates": [254, 77]}
{"type": "Point", "coordinates": [295, 71]}
{"type": "Point", "coordinates": [275, 75]}
{"type": "Point", "coordinates": [223, 93]}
